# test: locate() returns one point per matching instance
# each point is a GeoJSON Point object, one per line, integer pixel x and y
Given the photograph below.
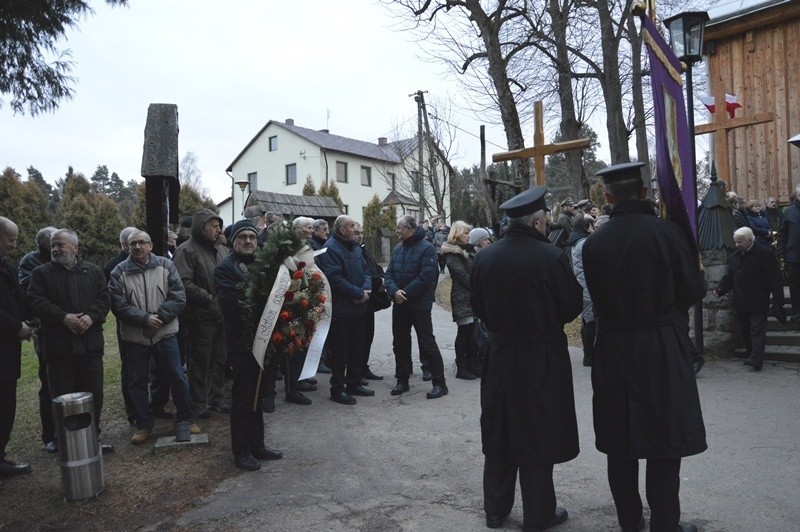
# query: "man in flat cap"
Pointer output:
{"type": "Point", "coordinates": [643, 276]}
{"type": "Point", "coordinates": [566, 214]}
{"type": "Point", "coordinates": [524, 291]}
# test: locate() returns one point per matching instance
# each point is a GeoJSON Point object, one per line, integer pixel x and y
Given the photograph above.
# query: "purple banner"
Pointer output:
{"type": "Point", "coordinates": [674, 165]}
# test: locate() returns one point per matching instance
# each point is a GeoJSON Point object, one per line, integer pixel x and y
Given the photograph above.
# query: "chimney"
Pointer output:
{"type": "Point", "coordinates": [324, 131]}
{"type": "Point", "coordinates": [382, 141]}
{"type": "Point", "coordinates": [290, 121]}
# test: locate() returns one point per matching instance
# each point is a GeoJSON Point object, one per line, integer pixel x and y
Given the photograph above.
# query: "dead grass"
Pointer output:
{"type": "Point", "coordinates": [142, 488]}
{"type": "Point", "coordinates": [573, 329]}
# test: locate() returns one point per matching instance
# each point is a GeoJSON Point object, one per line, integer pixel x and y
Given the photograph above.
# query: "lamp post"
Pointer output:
{"type": "Point", "coordinates": [243, 183]}
{"type": "Point", "coordinates": [686, 40]}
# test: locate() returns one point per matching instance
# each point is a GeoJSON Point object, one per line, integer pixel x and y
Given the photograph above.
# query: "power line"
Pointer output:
{"type": "Point", "coordinates": [465, 131]}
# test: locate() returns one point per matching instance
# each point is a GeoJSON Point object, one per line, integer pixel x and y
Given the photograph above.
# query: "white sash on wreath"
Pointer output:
{"type": "Point", "coordinates": [269, 317]}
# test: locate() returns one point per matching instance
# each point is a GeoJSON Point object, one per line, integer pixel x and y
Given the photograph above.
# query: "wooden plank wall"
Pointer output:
{"type": "Point", "coordinates": [761, 66]}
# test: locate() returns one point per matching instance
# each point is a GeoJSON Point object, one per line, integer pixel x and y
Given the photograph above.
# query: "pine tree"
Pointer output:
{"type": "Point", "coordinates": [25, 204]}
{"type": "Point", "coordinates": [309, 189]}
{"type": "Point", "coordinates": [332, 191]}
{"type": "Point", "coordinates": [373, 216]}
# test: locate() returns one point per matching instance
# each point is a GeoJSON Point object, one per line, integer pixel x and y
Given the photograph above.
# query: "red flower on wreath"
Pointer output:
{"type": "Point", "coordinates": [316, 276]}
{"type": "Point", "coordinates": [289, 295]}
{"type": "Point", "coordinates": [285, 315]}
{"type": "Point", "coordinates": [304, 303]}
{"type": "Point", "coordinates": [277, 337]}
{"type": "Point", "coordinates": [301, 265]}
{"type": "Point", "coordinates": [298, 274]}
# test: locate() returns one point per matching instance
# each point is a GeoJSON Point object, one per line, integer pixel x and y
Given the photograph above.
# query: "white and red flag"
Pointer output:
{"type": "Point", "coordinates": [731, 103]}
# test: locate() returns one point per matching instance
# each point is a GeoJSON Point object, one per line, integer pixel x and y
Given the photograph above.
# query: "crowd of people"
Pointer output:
{"type": "Point", "coordinates": [631, 283]}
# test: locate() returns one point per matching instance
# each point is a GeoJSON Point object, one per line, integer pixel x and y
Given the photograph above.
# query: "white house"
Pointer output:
{"type": "Point", "coordinates": [281, 156]}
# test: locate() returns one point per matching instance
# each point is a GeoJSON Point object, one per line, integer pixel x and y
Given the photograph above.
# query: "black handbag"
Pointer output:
{"type": "Point", "coordinates": [379, 298]}
{"type": "Point", "coordinates": [480, 337]}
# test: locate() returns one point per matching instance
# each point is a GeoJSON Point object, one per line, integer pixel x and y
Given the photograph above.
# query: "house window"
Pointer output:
{"type": "Point", "coordinates": [341, 172]}
{"type": "Point", "coordinates": [392, 178]}
{"type": "Point", "coordinates": [252, 178]}
{"type": "Point", "coordinates": [366, 176]}
{"type": "Point", "coordinates": [345, 209]}
{"type": "Point", "coordinates": [273, 143]}
{"type": "Point", "coordinates": [415, 181]}
{"type": "Point", "coordinates": [291, 174]}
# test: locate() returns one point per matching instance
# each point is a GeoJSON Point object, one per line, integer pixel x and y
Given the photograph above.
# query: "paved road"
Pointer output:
{"type": "Point", "coordinates": [407, 463]}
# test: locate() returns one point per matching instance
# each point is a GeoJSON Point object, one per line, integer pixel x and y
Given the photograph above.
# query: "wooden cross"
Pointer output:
{"type": "Point", "coordinates": [539, 149]}
{"type": "Point", "coordinates": [720, 127]}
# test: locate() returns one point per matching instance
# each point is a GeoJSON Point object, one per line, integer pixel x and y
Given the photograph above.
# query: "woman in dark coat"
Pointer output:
{"type": "Point", "coordinates": [758, 222]}
{"type": "Point", "coordinates": [456, 255]}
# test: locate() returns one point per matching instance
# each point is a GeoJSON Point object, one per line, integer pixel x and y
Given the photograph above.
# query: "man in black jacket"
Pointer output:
{"type": "Point", "coordinates": [378, 300]}
{"type": "Point", "coordinates": [642, 276]}
{"type": "Point", "coordinates": [753, 275]}
{"type": "Point", "coordinates": [70, 297]}
{"type": "Point", "coordinates": [27, 264]}
{"type": "Point", "coordinates": [789, 250]}
{"type": "Point", "coordinates": [247, 420]}
{"type": "Point", "coordinates": [13, 330]}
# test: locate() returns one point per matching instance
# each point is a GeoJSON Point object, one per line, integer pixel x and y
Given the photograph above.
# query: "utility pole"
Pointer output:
{"type": "Point", "coordinates": [420, 161]}
{"type": "Point", "coordinates": [437, 193]}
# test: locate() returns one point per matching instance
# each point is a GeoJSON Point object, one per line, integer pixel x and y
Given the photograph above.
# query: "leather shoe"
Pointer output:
{"type": "Point", "coordinates": [361, 391]}
{"type": "Point", "coordinates": [637, 528]}
{"type": "Point", "coordinates": [426, 375]}
{"type": "Point", "coordinates": [402, 387]}
{"type": "Point", "coordinates": [160, 413]}
{"type": "Point", "coordinates": [268, 404]}
{"type": "Point", "coordinates": [222, 408]}
{"type": "Point", "coordinates": [298, 399]}
{"type": "Point", "coordinates": [559, 517]}
{"type": "Point", "coordinates": [343, 398]}
{"type": "Point", "coordinates": [686, 527]}
{"type": "Point", "coordinates": [247, 462]}
{"type": "Point", "coordinates": [305, 386]}
{"type": "Point", "coordinates": [51, 447]}
{"type": "Point", "coordinates": [757, 365]}
{"type": "Point", "coordinates": [202, 414]}
{"type": "Point", "coordinates": [495, 521]}
{"type": "Point", "coordinates": [437, 392]}
{"type": "Point", "coordinates": [372, 376]}
{"type": "Point", "coordinates": [265, 453]}
{"type": "Point", "coordinates": [11, 469]}
{"type": "Point", "coordinates": [322, 368]}
{"type": "Point", "coordinates": [748, 362]}
{"type": "Point", "coordinates": [698, 365]}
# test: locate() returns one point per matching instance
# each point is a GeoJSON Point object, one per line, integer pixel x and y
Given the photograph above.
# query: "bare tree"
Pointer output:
{"type": "Point", "coordinates": [190, 174]}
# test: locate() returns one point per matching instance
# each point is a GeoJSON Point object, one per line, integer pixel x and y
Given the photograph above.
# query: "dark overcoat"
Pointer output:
{"type": "Point", "coordinates": [753, 275]}
{"type": "Point", "coordinates": [459, 263]}
{"type": "Point", "coordinates": [524, 290]}
{"type": "Point", "coordinates": [643, 276]}
{"type": "Point", "coordinates": [12, 313]}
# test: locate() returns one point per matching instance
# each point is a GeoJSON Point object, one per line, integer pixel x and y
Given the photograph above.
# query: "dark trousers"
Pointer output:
{"type": "Point", "coordinates": [206, 363]}
{"type": "Point", "coordinates": [662, 486]}
{"type": "Point", "coordinates": [536, 484]}
{"type": "Point", "coordinates": [588, 334]}
{"type": "Point", "coordinates": [346, 342]}
{"type": "Point", "coordinates": [159, 383]}
{"type": "Point", "coordinates": [291, 366]}
{"type": "Point", "coordinates": [247, 420]}
{"type": "Point", "coordinates": [123, 377]}
{"type": "Point", "coordinates": [78, 373]}
{"type": "Point", "coordinates": [753, 328]}
{"type": "Point", "coordinates": [8, 410]}
{"type": "Point", "coordinates": [402, 322]}
{"type": "Point", "coordinates": [463, 346]}
{"type": "Point", "coordinates": [793, 273]}
{"type": "Point", "coordinates": [369, 335]}
{"type": "Point", "coordinates": [45, 400]}
{"type": "Point", "coordinates": [168, 358]}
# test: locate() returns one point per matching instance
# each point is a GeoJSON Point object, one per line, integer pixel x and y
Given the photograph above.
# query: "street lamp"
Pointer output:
{"type": "Point", "coordinates": [243, 183]}
{"type": "Point", "coordinates": [686, 40]}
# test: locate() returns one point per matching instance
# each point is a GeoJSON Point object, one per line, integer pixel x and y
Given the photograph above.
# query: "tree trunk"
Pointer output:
{"type": "Point", "coordinates": [637, 91]}
{"type": "Point", "coordinates": [612, 86]}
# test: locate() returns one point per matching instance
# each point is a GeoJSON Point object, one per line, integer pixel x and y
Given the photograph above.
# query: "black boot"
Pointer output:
{"type": "Point", "coordinates": [462, 372]}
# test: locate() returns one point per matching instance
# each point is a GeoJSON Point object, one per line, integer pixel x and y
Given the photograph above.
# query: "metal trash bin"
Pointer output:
{"type": "Point", "coordinates": [80, 454]}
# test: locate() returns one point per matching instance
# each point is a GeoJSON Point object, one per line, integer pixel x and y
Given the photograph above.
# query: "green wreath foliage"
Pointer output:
{"type": "Point", "coordinates": [281, 243]}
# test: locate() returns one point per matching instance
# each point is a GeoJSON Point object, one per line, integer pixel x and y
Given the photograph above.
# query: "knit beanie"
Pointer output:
{"type": "Point", "coordinates": [242, 225]}
{"type": "Point", "coordinates": [478, 235]}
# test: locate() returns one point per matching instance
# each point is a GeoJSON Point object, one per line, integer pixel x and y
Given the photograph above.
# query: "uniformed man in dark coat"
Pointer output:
{"type": "Point", "coordinates": [643, 276]}
{"type": "Point", "coordinates": [524, 291]}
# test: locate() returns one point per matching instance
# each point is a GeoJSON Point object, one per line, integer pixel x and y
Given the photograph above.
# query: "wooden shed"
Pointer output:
{"type": "Point", "coordinates": [753, 52]}
{"type": "Point", "coordinates": [290, 206]}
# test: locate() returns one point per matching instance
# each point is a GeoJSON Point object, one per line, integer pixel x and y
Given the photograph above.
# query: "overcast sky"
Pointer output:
{"type": "Point", "coordinates": [230, 67]}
